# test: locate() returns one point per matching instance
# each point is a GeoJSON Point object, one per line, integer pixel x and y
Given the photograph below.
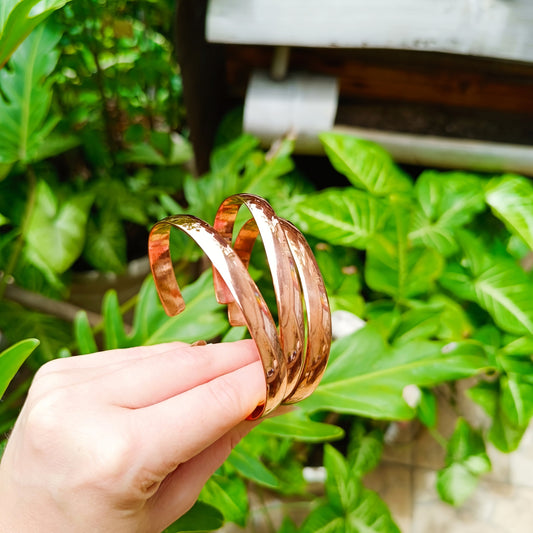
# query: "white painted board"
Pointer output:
{"type": "Point", "coordinates": [492, 28]}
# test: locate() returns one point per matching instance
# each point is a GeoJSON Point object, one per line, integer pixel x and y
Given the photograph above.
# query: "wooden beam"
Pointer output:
{"type": "Point", "coordinates": [401, 76]}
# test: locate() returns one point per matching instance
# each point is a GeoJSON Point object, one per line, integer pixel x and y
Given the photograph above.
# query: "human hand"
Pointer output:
{"type": "Point", "coordinates": [124, 440]}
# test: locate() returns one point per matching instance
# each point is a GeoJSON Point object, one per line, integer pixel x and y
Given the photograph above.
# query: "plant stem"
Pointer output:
{"type": "Point", "coordinates": [17, 249]}
{"type": "Point", "coordinates": [268, 519]}
{"type": "Point", "coordinates": [436, 434]}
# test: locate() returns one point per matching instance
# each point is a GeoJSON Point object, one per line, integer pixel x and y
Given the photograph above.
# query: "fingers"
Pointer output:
{"type": "Point", "coordinates": [181, 488]}
{"type": "Point", "coordinates": [151, 380]}
{"type": "Point", "coordinates": [90, 368]}
{"type": "Point", "coordinates": [184, 425]}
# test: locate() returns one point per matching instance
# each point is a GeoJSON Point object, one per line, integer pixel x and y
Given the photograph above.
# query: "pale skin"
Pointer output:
{"type": "Point", "coordinates": [124, 440]}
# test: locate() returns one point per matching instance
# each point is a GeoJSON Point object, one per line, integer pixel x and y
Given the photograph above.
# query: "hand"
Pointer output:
{"type": "Point", "coordinates": [124, 440]}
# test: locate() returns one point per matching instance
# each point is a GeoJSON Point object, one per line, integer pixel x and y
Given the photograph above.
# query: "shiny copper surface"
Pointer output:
{"type": "Point", "coordinates": [291, 372]}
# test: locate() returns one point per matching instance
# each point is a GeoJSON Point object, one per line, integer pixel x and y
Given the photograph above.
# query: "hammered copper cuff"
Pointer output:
{"type": "Point", "coordinates": [291, 372]}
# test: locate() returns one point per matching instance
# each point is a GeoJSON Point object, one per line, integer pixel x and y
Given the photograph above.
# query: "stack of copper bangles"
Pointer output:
{"type": "Point", "coordinates": [292, 370]}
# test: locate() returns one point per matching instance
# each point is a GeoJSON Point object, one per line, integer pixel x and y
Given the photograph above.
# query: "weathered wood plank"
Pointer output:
{"type": "Point", "coordinates": [401, 76]}
{"type": "Point", "coordinates": [490, 28]}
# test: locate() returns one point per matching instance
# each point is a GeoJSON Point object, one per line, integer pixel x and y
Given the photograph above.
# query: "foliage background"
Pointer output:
{"type": "Point", "coordinates": [432, 270]}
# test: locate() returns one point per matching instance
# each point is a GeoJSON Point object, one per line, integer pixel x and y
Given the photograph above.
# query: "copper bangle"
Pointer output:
{"type": "Point", "coordinates": [291, 373]}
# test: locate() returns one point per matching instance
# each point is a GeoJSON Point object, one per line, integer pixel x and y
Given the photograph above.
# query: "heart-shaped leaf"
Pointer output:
{"type": "Point", "coordinates": [365, 164]}
{"type": "Point", "coordinates": [466, 459]}
{"type": "Point", "coordinates": [56, 230]}
{"type": "Point", "coordinates": [511, 200]}
{"type": "Point", "coordinates": [346, 217]}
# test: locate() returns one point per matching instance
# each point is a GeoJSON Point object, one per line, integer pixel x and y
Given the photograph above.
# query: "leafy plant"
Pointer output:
{"type": "Point", "coordinates": [17, 20]}
{"type": "Point", "coordinates": [348, 505]}
{"type": "Point", "coordinates": [441, 288]}
{"type": "Point", "coordinates": [11, 359]}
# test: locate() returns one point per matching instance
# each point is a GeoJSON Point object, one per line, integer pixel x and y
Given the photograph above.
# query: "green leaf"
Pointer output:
{"type": "Point", "coordinates": [453, 198]}
{"type": "Point", "coordinates": [52, 332]}
{"type": "Point", "coordinates": [203, 317]}
{"type": "Point", "coordinates": [365, 164]}
{"type": "Point", "coordinates": [287, 526]}
{"type": "Point", "coordinates": [393, 269]}
{"type": "Point", "coordinates": [364, 450]}
{"type": "Point", "coordinates": [56, 230]}
{"type": "Point", "coordinates": [251, 468]}
{"type": "Point", "coordinates": [448, 200]}
{"type": "Point", "coordinates": [55, 144]}
{"type": "Point", "coordinates": [511, 200]}
{"type": "Point", "coordinates": [466, 459]}
{"type": "Point", "coordinates": [350, 507]}
{"type": "Point", "coordinates": [84, 334]}
{"type": "Point", "coordinates": [298, 426]}
{"type": "Point", "coordinates": [341, 487]}
{"type": "Point", "coordinates": [419, 323]}
{"type": "Point", "coordinates": [24, 108]}
{"type": "Point", "coordinates": [228, 494]}
{"type": "Point", "coordinates": [235, 168]}
{"type": "Point", "coordinates": [366, 376]}
{"type": "Point", "coordinates": [345, 217]}
{"type": "Point", "coordinates": [17, 20]}
{"type": "Point", "coordinates": [105, 247]}
{"type": "Point", "coordinates": [506, 293]}
{"type": "Point", "coordinates": [455, 484]}
{"type": "Point", "coordinates": [516, 397]}
{"type": "Point", "coordinates": [11, 360]}
{"type": "Point", "coordinates": [503, 433]}
{"type": "Point", "coordinates": [114, 332]}
{"type": "Point", "coordinates": [201, 518]}
{"type": "Point", "coordinates": [324, 519]}
{"type": "Point", "coordinates": [427, 409]}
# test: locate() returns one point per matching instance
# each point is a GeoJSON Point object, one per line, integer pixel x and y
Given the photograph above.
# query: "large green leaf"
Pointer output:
{"type": "Point", "coordinates": [105, 246]}
{"type": "Point", "coordinates": [365, 164]}
{"type": "Point", "coordinates": [448, 200]}
{"type": "Point", "coordinates": [466, 460]}
{"type": "Point", "coordinates": [27, 95]}
{"type": "Point", "coordinates": [366, 376]}
{"type": "Point", "coordinates": [298, 426]}
{"type": "Point", "coordinates": [346, 217]}
{"type": "Point", "coordinates": [497, 284]}
{"type": "Point", "coordinates": [396, 267]}
{"type": "Point", "coordinates": [506, 292]}
{"type": "Point", "coordinates": [56, 230]}
{"type": "Point", "coordinates": [18, 18]}
{"type": "Point", "coordinates": [203, 317]}
{"type": "Point", "coordinates": [511, 200]}
{"type": "Point", "coordinates": [11, 360]}
{"type": "Point", "coordinates": [451, 199]}
{"type": "Point", "coordinates": [399, 272]}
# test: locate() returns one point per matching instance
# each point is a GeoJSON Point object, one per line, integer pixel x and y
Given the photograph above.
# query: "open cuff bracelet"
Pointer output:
{"type": "Point", "coordinates": [294, 354]}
